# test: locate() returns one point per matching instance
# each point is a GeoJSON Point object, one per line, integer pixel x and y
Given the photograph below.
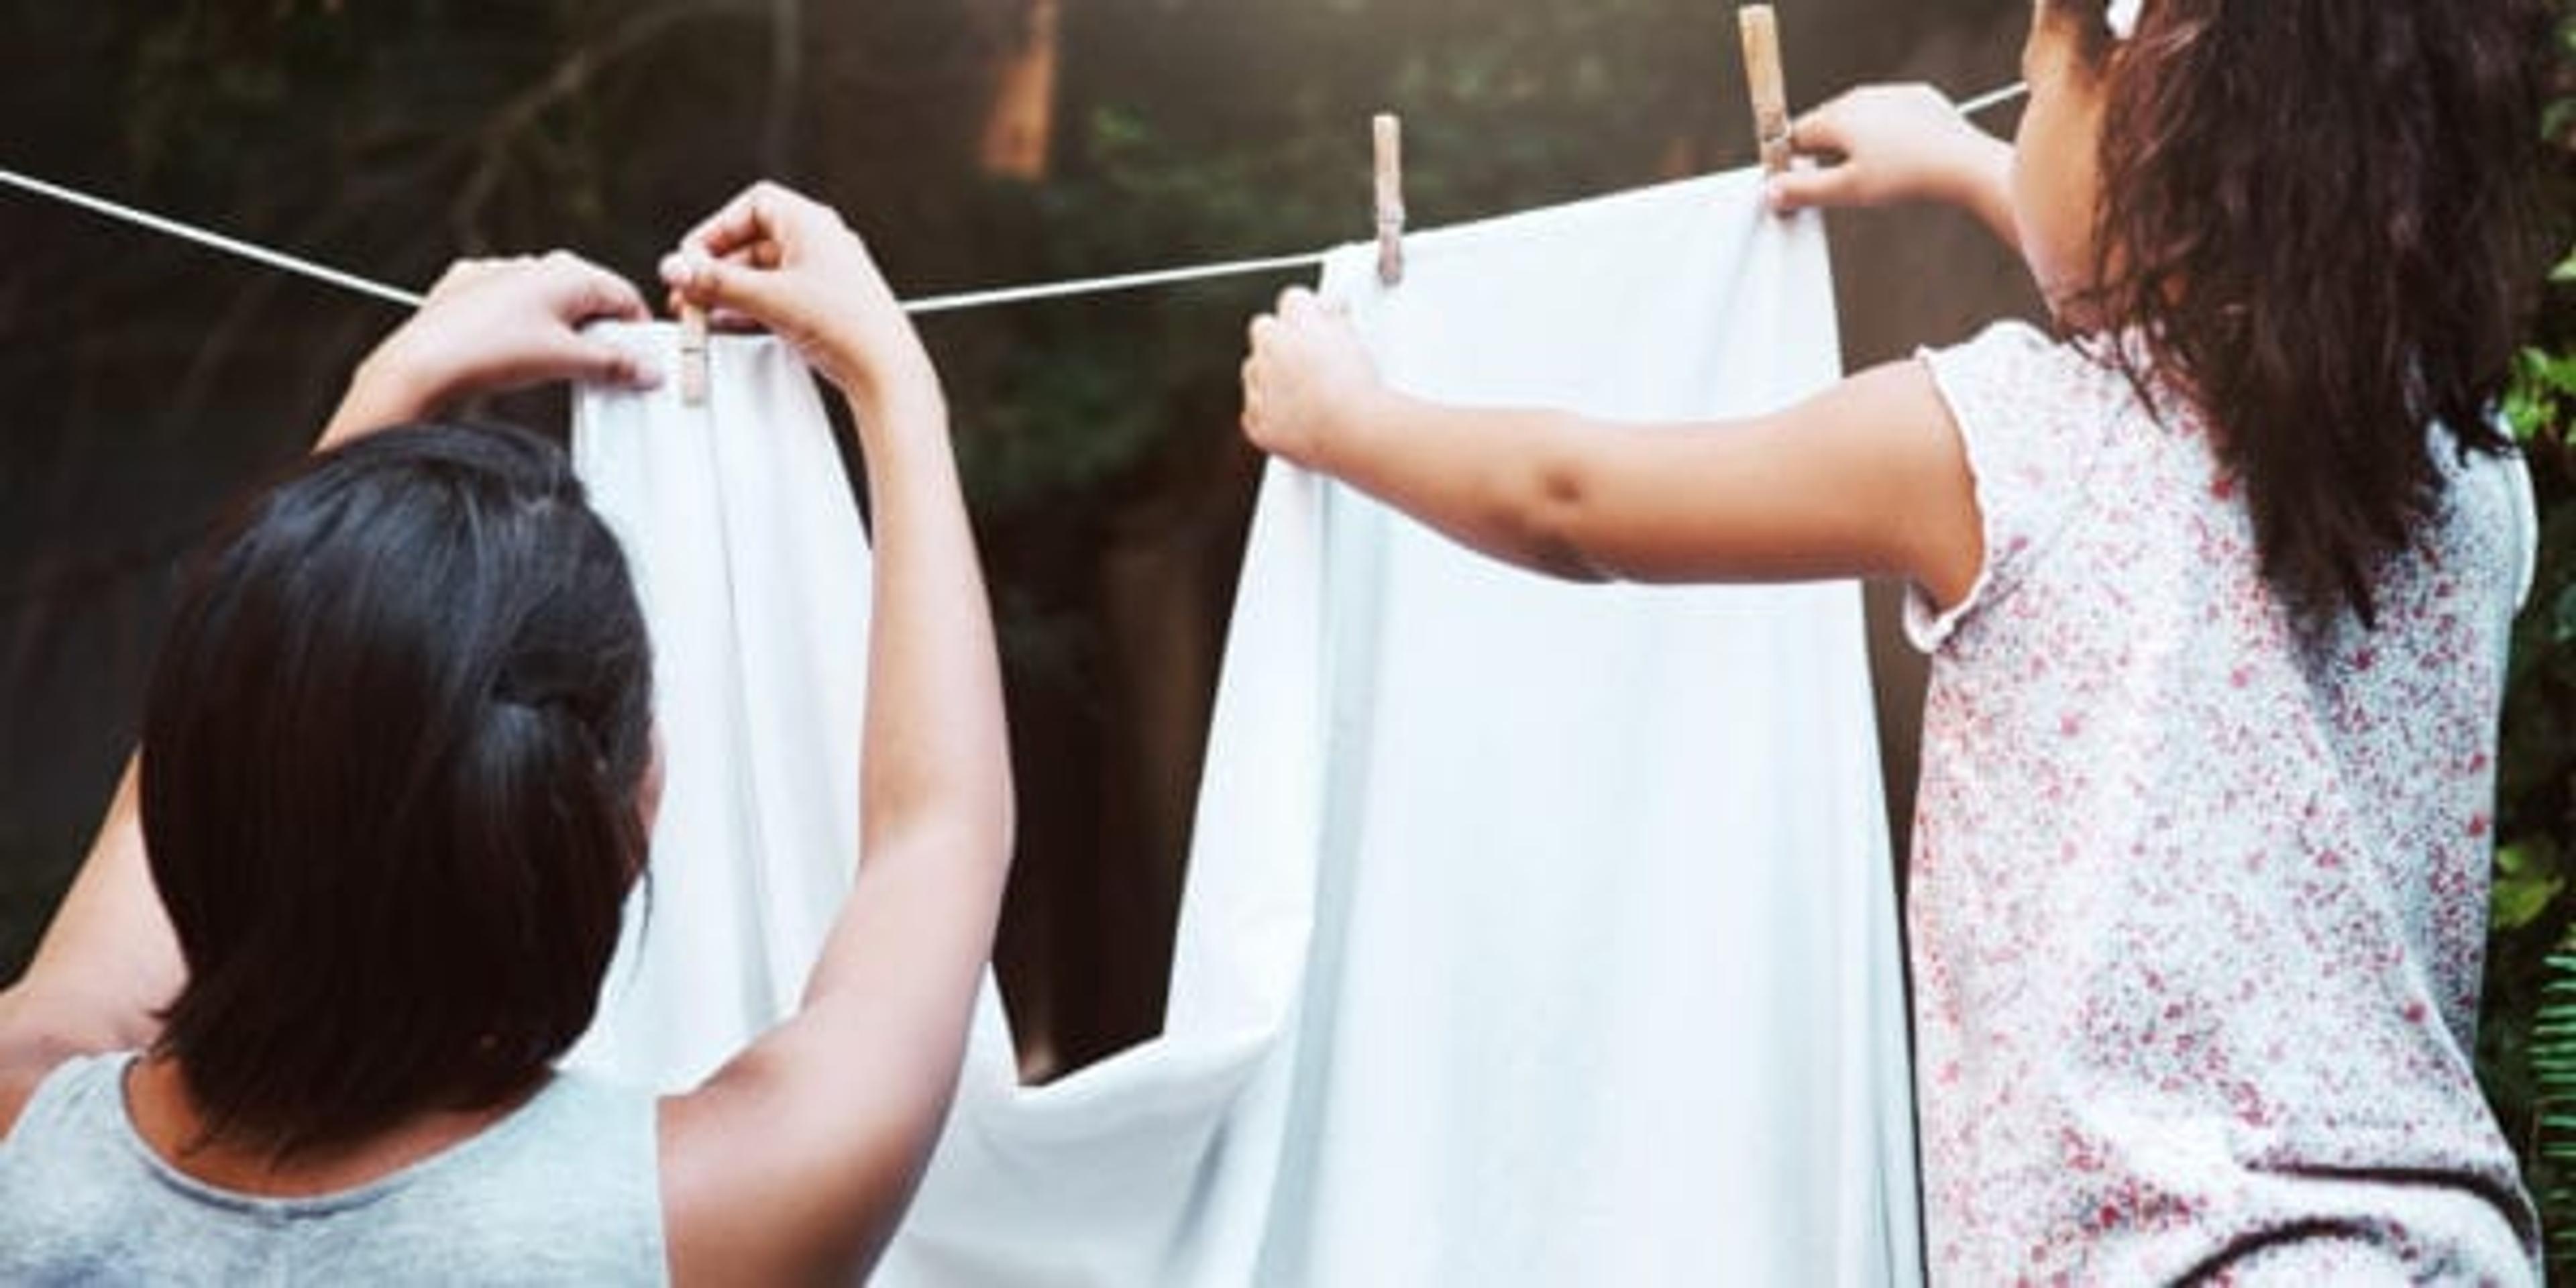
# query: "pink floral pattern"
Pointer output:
{"type": "Point", "coordinates": [2198, 909]}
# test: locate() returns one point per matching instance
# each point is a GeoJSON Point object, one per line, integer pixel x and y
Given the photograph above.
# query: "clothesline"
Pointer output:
{"type": "Point", "coordinates": [347, 281]}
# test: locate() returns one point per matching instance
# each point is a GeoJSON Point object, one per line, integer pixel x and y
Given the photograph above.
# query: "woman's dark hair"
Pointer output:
{"type": "Point", "coordinates": [2319, 215]}
{"type": "Point", "coordinates": [392, 758]}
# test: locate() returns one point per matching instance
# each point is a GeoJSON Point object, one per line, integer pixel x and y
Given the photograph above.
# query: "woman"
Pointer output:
{"type": "Point", "coordinates": [298, 1015]}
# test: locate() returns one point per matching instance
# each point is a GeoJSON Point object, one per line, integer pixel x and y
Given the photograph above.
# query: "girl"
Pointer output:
{"type": "Point", "coordinates": [397, 774]}
{"type": "Point", "coordinates": [2218, 594]}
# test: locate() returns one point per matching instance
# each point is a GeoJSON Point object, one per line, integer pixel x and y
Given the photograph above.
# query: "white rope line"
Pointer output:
{"type": "Point", "coordinates": [213, 240]}
{"type": "Point", "coordinates": [1117, 282]}
{"type": "Point", "coordinates": [1994, 98]}
{"type": "Point", "coordinates": [324, 273]}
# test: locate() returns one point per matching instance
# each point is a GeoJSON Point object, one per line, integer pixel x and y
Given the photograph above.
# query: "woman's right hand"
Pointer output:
{"type": "Point", "coordinates": [1885, 144]}
{"type": "Point", "coordinates": [491, 325]}
{"type": "Point", "coordinates": [789, 263]}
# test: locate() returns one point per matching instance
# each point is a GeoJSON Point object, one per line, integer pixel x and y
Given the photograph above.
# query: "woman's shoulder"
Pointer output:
{"type": "Point", "coordinates": [35, 1045]}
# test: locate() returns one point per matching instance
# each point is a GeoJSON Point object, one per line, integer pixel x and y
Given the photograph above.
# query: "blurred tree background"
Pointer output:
{"type": "Point", "coordinates": [975, 142]}
{"type": "Point", "coordinates": [2527, 1038]}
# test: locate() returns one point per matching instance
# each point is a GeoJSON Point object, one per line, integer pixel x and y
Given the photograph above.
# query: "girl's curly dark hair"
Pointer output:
{"type": "Point", "coordinates": [2319, 216]}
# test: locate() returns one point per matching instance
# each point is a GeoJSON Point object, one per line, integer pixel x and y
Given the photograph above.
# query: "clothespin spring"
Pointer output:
{"type": "Point", "coordinates": [693, 355]}
{"type": "Point", "coordinates": [1387, 134]}
{"type": "Point", "coordinates": [1771, 128]}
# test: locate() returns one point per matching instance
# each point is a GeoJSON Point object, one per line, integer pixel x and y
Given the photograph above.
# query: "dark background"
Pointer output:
{"type": "Point", "coordinates": [146, 381]}
{"type": "Point", "coordinates": [975, 142]}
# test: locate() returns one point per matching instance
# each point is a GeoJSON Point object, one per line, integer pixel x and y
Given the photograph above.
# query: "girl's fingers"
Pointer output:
{"type": "Point", "coordinates": [1298, 304]}
{"type": "Point", "coordinates": [1821, 186]}
{"type": "Point", "coordinates": [1818, 131]}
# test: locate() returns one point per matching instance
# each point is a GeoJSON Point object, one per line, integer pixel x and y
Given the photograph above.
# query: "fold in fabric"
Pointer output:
{"type": "Point", "coordinates": [744, 540]}
{"type": "Point", "coordinates": [1534, 933]}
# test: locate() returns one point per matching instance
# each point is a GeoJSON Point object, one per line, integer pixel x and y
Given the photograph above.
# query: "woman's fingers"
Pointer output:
{"type": "Point", "coordinates": [759, 255]}
{"type": "Point", "coordinates": [777, 258]}
{"type": "Point", "coordinates": [583, 290]}
{"type": "Point", "coordinates": [726, 263]}
{"type": "Point", "coordinates": [606, 363]}
{"type": "Point", "coordinates": [764, 213]}
{"type": "Point", "coordinates": [738, 221]}
{"type": "Point", "coordinates": [720, 286]}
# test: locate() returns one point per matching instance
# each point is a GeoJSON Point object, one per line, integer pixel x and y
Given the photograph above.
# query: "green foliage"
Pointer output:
{"type": "Point", "coordinates": [2553, 1064]}
{"type": "Point", "coordinates": [2527, 1041]}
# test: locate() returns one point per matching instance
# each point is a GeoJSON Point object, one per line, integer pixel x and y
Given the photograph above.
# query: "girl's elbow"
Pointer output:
{"type": "Point", "coordinates": [1557, 518]}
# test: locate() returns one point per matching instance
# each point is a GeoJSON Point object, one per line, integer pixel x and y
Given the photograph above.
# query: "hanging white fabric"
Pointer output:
{"type": "Point", "coordinates": [1534, 933]}
{"type": "Point", "coordinates": [748, 555]}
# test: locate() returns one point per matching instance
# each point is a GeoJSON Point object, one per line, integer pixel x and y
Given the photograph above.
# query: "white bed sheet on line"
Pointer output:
{"type": "Point", "coordinates": [1533, 934]}
{"type": "Point", "coordinates": [753, 569]}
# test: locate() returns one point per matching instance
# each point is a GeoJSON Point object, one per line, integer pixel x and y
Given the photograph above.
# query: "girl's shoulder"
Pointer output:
{"type": "Point", "coordinates": [2488, 517]}
{"type": "Point", "coordinates": [2040, 419]}
{"type": "Point", "coordinates": [2060, 440]}
{"type": "Point", "coordinates": [2013, 380]}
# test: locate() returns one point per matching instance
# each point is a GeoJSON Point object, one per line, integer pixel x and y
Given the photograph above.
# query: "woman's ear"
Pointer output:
{"type": "Point", "coordinates": [648, 794]}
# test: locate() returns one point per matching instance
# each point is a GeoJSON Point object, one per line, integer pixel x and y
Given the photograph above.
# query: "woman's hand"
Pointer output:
{"type": "Point", "coordinates": [491, 325]}
{"type": "Point", "coordinates": [793, 1163]}
{"type": "Point", "coordinates": [788, 263]}
{"type": "Point", "coordinates": [1307, 379]}
{"type": "Point", "coordinates": [1887, 144]}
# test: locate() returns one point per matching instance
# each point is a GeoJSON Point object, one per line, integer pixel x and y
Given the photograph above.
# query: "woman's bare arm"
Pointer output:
{"type": "Point", "coordinates": [107, 964]}
{"type": "Point", "coordinates": [795, 1161]}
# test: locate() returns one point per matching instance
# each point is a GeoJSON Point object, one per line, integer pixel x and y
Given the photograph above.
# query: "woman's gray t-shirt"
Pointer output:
{"type": "Point", "coordinates": [564, 1189]}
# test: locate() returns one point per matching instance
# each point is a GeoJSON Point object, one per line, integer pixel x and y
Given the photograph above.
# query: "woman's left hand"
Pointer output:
{"type": "Point", "coordinates": [492, 325]}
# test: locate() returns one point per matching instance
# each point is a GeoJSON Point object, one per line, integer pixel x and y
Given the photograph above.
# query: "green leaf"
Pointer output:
{"type": "Point", "coordinates": [2520, 897]}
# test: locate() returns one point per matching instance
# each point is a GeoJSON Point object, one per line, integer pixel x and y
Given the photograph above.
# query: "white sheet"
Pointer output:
{"type": "Point", "coordinates": [1534, 934]}
{"type": "Point", "coordinates": [753, 569]}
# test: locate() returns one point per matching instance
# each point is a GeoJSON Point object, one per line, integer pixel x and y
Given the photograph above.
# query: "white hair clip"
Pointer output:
{"type": "Point", "coordinates": [2123, 17]}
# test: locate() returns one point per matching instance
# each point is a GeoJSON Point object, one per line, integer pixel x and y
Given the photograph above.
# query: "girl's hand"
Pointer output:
{"type": "Point", "coordinates": [1892, 143]}
{"type": "Point", "coordinates": [788, 263]}
{"type": "Point", "coordinates": [491, 325]}
{"type": "Point", "coordinates": [1306, 380]}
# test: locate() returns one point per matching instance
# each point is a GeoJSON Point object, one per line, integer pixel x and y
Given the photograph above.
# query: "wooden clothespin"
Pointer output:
{"type": "Point", "coordinates": [1761, 31]}
{"type": "Point", "coordinates": [693, 354]}
{"type": "Point", "coordinates": [1388, 134]}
